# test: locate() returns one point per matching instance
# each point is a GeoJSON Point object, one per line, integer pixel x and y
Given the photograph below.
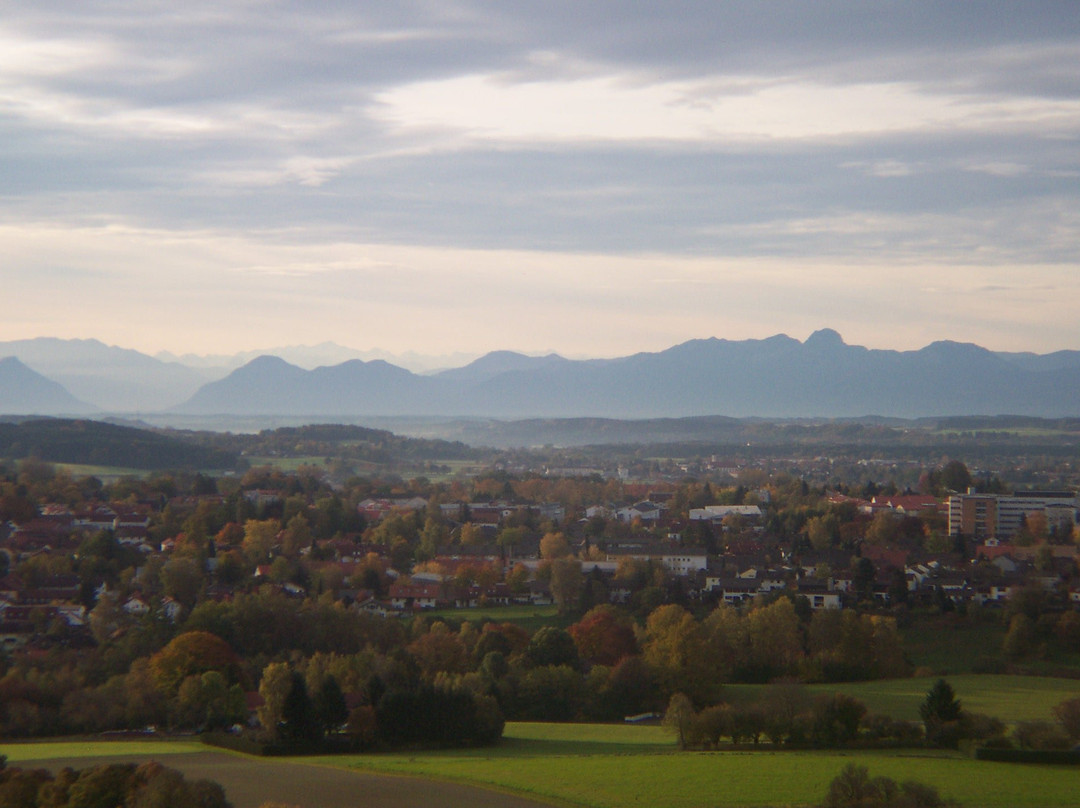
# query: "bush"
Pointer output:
{"type": "Point", "coordinates": [1064, 757]}
{"type": "Point", "coordinates": [853, 788]}
{"type": "Point", "coordinates": [444, 718]}
{"type": "Point", "coordinates": [836, 719]}
{"type": "Point", "coordinates": [150, 785]}
{"type": "Point", "coordinates": [1068, 715]}
{"type": "Point", "coordinates": [1040, 735]}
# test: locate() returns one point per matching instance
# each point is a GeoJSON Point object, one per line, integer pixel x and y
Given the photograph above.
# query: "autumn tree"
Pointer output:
{"type": "Point", "coordinates": [676, 650]}
{"type": "Point", "coordinates": [260, 536]}
{"type": "Point", "coordinates": [775, 642]}
{"type": "Point", "coordinates": [273, 688]}
{"type": "Point", "coordinates": [296, 535]}
{"type": "Point", "coordinates": [554, 545]}
{"type": "Point", "coordinates": [567, 584]}
{"type": "Point", "coordinates": [679, 716]}
{"type": "Point", "coordinates": [439, 651]}
{"type": "Point", "coordinates": [604, 636]}
{"type": "Point", "coordinates": [193, 652]}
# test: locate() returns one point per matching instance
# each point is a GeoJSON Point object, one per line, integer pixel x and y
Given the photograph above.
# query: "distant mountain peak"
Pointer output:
{"type": "Point", "coordinates": [24, 391]}
{"type": "Point", "coordinates": [825, 338]}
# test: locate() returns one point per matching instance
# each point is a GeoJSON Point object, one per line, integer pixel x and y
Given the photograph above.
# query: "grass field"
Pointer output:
{"type": "Point", "coordinates": [612, 766]}
{"type": "Point", "coordinates": [104, 473]}
{"type": "Point", "coordinates": [1010, 698]}
{"type": "Point", "coordinates": [951, 647]}
{"type": "Point", "coordinates": [72, 750]}
{"type": "Point", "coordinates": [530, 618]}
{"type": "Point", "coordinates": [602, 766]}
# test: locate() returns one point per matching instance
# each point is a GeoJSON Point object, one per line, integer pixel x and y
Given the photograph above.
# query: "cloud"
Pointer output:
{"type": "Point", "coordinates": [744, 109]}
{"type": "Point", "coordinates": [492, 172]}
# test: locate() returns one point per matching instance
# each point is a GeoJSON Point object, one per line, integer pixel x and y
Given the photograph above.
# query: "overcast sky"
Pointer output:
{"type": "Point", "coordinates": [596, 178]}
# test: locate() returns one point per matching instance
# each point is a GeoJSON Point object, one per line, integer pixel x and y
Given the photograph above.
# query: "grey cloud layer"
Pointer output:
{"type": "Point", "coordinates": [257, 117]}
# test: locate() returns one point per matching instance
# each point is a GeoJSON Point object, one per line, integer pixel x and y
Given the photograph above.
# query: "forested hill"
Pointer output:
{"type": "Point", "coordinates": [104, 444]}
{"type": "Point", "coordinates": [341, 440]}
{"type": "Point", "coordinates": [100, 444]}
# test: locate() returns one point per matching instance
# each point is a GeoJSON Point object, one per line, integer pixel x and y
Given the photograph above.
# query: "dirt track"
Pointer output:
{"type": "Point", "coordinates": [249, 782]}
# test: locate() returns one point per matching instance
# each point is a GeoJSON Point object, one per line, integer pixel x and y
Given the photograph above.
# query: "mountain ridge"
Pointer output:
{"type": "Point", "coordinates": [774, 377]}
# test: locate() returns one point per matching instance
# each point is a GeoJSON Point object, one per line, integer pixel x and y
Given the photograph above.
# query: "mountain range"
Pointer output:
{"type": "Point", "coordinates": [777, 377]}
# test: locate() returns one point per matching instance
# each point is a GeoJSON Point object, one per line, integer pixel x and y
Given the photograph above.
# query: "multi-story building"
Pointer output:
{"type": "Point", "coordinates": [985, 516]}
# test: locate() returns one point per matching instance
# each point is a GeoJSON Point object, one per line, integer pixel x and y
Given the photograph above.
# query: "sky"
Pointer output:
{"type": "Point", "coordinates": [593, 178]}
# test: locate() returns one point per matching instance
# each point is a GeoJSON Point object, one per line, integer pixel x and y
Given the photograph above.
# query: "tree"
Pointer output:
{"type": "Point", "coordinates": [822, 531]}
{"type": "Point", "coordinates": [783, 702]}
{"type": "Point", "coordinates": [836, 719]}
{"type": "Point", "coordinates": [298, 717]}
{"type": "Point", "coordinates": [470, 534]}
{"type": "Point", "coordinates": [552, 646]}
{"type": "Point", "coordinates": [274, 687]}
{"type": "Point", "coordinates": [566, 584]}
{"type": "Point", "coordinates": [554, 545]}
{"type": "Point", "coordinates": [208, 702]}
{"type": "Point", "coordinates": [883, 530]}
{"type": "Point", "coordinates": [439, 651]}
{"type": "Point", "coordinates": [775, 644]}
{"type": "Point", "coordinates": [678, 717]}
{"type": "Point", "coordinates": [259, 539]}
{"type": "Point", "coordinates": [863, 578]}
{"type": "Point", "coordinates": [604, 636]}
{"type": "Point", "coordinates": [676, 649]}
{"type": "Point", "coordinates": [296, 536]}
{"type": "Point", "coordinates": [182, 579]}
{"type": "Point", "coordinates": [194, 652]}
{"type": "Point", "coordinates": [941, 713]}
{"type": "Point", "coordinates": [956, 477]}
{"type": "Point", "coordinates": [1020, 639]}
{"type": "Point", "coordinates": [853, 788]}
{"type": "Point", "coordinates": [1067, 714]}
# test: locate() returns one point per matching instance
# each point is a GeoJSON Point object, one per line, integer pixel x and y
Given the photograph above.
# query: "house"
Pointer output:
{"type": "Point", "coordinates": [135, 606]}
{"type": "Point", "coordinates": [820, 595]}
{"type": "Point", "coordinates": [409, 595]}
{"type": "Point", "coordinates": [717, 513]}
{"type": "Point", "coordinates": [375, 509]}
{"type": "Point", "coordinates": [171, 608]}
{"type": "Point", "coordinates": [645, 511]}
{"type": "Point", "coordinates": [734, 592]}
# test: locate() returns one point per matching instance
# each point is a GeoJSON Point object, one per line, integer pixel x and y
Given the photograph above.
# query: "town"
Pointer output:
{"type": "Point", "coordinates": [576, 572]}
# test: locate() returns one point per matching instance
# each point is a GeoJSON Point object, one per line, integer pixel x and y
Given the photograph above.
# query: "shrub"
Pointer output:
{"type": "Point", "coordinates": [853, 788]}
{"type": "Point", "coordinates": [1040, 735]}
{"type": "Point", "coordinates": [1068, 715]}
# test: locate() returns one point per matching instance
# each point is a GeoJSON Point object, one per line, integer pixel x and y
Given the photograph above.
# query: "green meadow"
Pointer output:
{"type": "Point", "coordinates": [618, 765]}
{"type": "Point", "coordinates": [611, 766]}
{"type": "Point", "coordinates": [74, 749]}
